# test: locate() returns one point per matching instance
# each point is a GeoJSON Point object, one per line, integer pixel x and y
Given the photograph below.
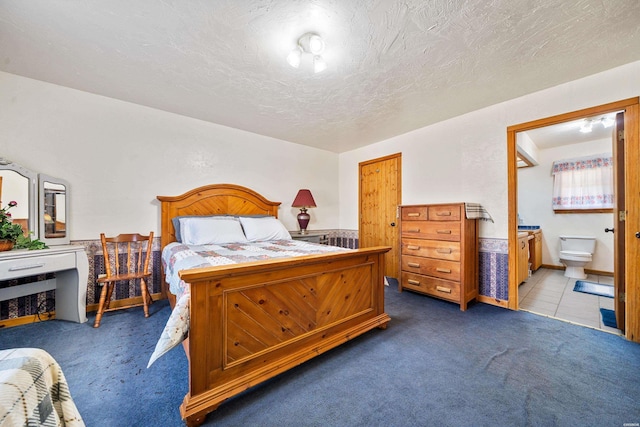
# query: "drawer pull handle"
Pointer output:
{"type": "Point", "coordinates": [443, 270]}
{"type": "Point", "coordinates": [413, 230]}
{"type": "Point", "coordinates": [413, 282]}
{"type": "Point", "coordinates": [26, 267]}
{"type": "Point", "coordinates": [443, 214]}
{"type": "Point", "coordinates": [443, 251]}
{"type": "Point", "coordinates": [443, 289]}
{"type": "Point", "coordinates": [413, 247]}
{"type": "Point", "coordinates": [413, 214]}
{"type": "Point", "coordinates": [443, 231]}
{"type": "Point", "coordinates": [414, 265]}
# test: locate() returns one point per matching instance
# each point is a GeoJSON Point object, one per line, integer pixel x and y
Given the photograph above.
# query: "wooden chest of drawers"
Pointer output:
{"type": "Point", "coordinates": [439, 252]}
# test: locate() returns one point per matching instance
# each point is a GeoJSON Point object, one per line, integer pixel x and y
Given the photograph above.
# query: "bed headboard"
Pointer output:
{"type": "Point", "coordinates": [215, 199]}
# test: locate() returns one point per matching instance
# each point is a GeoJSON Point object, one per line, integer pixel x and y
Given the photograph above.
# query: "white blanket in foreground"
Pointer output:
{"type": "Point", "coordinates": [34, 391]}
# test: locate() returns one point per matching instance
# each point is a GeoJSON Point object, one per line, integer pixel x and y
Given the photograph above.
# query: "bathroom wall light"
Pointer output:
{"type": "Point", "coordinates": [311, 44]}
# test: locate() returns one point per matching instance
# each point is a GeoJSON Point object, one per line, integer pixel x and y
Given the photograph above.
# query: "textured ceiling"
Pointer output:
{"type": "Point", "coordinates": [394, 66]}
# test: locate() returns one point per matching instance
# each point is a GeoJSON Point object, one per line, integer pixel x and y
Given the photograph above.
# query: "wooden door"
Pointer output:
{"type": "Point", "coordinates": [619, 221]}
{"type": "Point", "coordinates": [380, 196]}
{"type": "Point", "coordinates": [632, 220]}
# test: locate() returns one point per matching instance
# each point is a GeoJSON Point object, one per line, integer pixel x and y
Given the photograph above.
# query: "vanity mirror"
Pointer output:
{"type": "Point", "coordinates": [43, 209]}
{"type": "Point", "coordinates": [20, 185]}
{"type": "Point", "coordinates": [54, 210]}
{"type": "Point", "coordinates": [43, 202]}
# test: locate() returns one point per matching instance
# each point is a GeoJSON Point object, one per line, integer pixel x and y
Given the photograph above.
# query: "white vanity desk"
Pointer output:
{"type": "Point", "coordinates": [71, 266]}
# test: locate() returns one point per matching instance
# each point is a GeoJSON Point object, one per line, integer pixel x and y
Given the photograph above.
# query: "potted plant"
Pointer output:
{"type": "Point", "coordinates": [11, 235]}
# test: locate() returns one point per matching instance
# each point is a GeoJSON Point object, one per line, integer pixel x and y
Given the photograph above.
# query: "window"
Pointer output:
{"type": "Point", "coordinates": [583, 184]}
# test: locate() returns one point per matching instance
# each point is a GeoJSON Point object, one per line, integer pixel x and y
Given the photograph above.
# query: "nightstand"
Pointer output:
{"type": "Point", "coordinates": [311, 236]}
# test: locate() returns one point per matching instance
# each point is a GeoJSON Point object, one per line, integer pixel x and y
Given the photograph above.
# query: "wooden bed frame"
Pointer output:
{"type": "Point", "coordinates": [252, 321]}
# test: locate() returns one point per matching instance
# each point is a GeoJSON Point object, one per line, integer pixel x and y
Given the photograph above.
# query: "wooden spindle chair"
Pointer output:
{"type": "Point", "coordinates": [136, 267]}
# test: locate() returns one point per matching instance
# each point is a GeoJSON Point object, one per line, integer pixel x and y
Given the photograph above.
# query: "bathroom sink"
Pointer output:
{"type": "Point", "coordinates": [528, 227]}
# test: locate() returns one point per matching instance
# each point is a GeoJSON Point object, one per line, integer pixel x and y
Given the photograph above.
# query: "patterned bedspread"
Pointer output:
{"type": "Point", "coordinates": [34, 391]}
{"type": "Point", "coordinates": [177, 257]}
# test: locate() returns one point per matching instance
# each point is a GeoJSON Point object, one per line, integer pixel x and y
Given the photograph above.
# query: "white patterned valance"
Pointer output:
{"type": "Point", "coordinates": [583, 183]}
{"type": "Point", "coordinates": [582, 163]}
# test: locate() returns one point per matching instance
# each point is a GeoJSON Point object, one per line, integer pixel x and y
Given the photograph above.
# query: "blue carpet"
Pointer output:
{"type": "Point", "coordinates": [433, 366]}
{"type": "Point", "coordinates": [609, 318]}
{"type": "Point", "coordinates": [593, 288]}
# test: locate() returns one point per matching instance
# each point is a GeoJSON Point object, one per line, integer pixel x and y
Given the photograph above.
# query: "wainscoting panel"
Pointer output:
{"type": "Point", "coordinates": [494, 269]}
{"type": "Point", "coordinates": [493, 260]}
{"type": "Point", "coordinates": [44, 302]}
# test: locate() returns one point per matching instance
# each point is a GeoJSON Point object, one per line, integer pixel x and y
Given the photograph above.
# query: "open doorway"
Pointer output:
{"type": "Point", "coordinates": [582, 147]}
{"type": "Point", "coordinates": [628, 276]}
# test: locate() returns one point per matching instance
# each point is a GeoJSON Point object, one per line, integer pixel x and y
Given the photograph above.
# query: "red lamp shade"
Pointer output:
{"type": "Point", "coordinates": [303, 200]}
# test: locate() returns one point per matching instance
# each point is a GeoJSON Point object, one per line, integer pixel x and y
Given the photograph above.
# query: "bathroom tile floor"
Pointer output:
{"type": "Point", "coordinates": [549, 293]}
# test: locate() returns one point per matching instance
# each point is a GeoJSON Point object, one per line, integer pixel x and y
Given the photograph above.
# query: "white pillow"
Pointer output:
{"type": "Point", "coordinates": [211, 230]}
{"type": "Point", "coordinates": [266, 228]}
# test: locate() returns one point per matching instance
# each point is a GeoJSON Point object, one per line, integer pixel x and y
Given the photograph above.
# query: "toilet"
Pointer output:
{"type": "Point", "coordinates": [575, 253]}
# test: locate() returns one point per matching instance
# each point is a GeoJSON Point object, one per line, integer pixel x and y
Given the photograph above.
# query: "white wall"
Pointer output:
{"type": "Point", "coordinates": [119, 156]}
{"type": "Point", "coordinates": [464, 158]}
{"type": "Point", "coordinates": [535, 188]}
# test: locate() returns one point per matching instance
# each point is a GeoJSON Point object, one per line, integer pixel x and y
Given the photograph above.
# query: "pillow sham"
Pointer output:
{"type": "Point", "coordinates": [176, 221]}
{"type": "Point", "coordinates": [265, 228]}
{"type": "Point", "coordinates": [211, 230]}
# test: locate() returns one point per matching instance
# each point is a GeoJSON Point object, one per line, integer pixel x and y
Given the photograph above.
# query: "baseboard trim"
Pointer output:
{"type": "Point", "coordinates": [124, 303]}
{"type": "Point", "coordinates": [586, 270]}
{"type": "Point", "coordinates": [23, 320]}
{"type": "Point", "coordinates": [552, 267]}
{"type": "Point", "coordinates": [493, 301]}
{"type": "Point", "coordinates": [51, 315]}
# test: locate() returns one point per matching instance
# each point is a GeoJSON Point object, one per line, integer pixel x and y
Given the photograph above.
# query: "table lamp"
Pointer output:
{"type": "Point", "coordinates": [303, 200]}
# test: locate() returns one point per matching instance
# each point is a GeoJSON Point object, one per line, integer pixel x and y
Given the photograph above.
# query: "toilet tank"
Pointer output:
{"type": "Point", "coordinates": [578, 243]}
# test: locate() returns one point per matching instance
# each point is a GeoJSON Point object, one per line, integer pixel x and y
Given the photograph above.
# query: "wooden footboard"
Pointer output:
{"type": "Point", "coordinates": [250, 322]}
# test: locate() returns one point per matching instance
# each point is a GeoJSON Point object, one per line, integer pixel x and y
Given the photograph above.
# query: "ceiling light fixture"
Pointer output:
{"type": "Point", "coordinates": [607, 121]}
{"type": "Point", "coordinates": [311, 44]}
{"type": "Point", "coordinates": [294, 57]}
{"type": "Point", "coordinates": [318, 64]}
{"type": "Point", "coordinates": [586, 126]}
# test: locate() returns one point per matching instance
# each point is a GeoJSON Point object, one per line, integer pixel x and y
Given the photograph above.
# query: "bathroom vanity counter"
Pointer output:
{"type": "Point", "coordinates": [528, 227]}
{"type": "Point", "coordinates": [535, 245]}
